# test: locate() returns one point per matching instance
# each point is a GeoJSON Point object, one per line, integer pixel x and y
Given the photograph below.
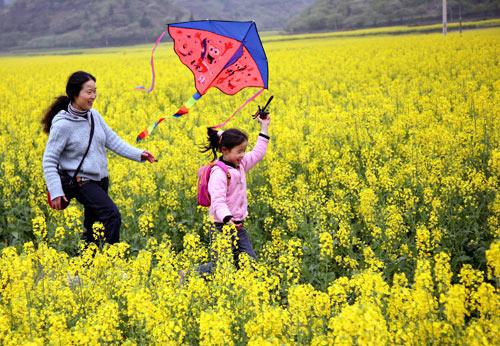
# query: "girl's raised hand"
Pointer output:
{"type": "Point", "coordinates": [264, 124]}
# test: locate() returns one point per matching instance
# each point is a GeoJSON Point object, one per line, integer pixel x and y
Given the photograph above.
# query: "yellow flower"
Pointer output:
{"type": "Point", "coordinates": [455, 308]}
{"type": "Point", "coordinates": [371, 259]}
{"type": "Point", "coordinates": [98, 230]}
{"type": "Point", "coordinates": [368, 200]}
{"type": "Point", "coordinates": [39, 227]}
{"type": "Point", "coordinates": [442, 271]}
{"type": "Point", "coordinates": [271, 323]}
{"type": "Point", "coordinates": [146, 224]}
{"type": "Point", "coordinates": [493, 260]}
{"type": "Point", "coordinates": [215, 328]}
{"type": "Point", "coordinates": [423, 240]}
{"type": "Point", "coordinates": [326, 244]}
{"type": "Point", "coordinates": [59, 234]}
{"type": "Point", "coordinates": [361, 323]}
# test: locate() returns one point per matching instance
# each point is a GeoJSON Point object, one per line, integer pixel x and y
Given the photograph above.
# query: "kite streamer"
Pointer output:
{"type": "Point", "coordinates": [152, 63]}
{"type": "Point", "coordinates": [183, 110]}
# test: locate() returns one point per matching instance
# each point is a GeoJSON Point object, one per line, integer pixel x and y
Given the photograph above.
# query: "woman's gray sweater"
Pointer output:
{"type": "Point", "coordinates": [68, 140]}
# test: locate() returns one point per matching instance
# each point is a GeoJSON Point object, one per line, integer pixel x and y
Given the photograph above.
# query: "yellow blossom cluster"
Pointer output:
{"type": "Point", "coordinates": [111, 296]}
{"type": "Point", "coordinates": [374, 214]}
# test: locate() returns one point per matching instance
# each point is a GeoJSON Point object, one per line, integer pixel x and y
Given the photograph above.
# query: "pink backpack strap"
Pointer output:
{"type": "Point", "coordinates": [225, 168]}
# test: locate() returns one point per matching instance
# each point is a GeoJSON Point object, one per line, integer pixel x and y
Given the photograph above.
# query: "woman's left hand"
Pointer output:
{"type": "Point", "coordinates": [147, 156]}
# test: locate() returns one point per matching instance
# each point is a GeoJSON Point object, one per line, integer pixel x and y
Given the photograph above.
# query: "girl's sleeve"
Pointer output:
{"type": "Point", "coordinates": [53, 149]}
{"type": "Point", "coordinates": [116, 144]}
{"type": "Point", "coordinates": [251, 158]}
{"type": "Point", "coordinates": [217, 188]}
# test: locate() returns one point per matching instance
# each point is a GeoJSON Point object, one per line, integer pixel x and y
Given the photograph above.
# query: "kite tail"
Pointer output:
{"type": "Point", "coordinates": [253, 97]}
{"type": "Point", "coordinates": [183, 110]}
{"type": "Point", "coordinates": [152, 63]}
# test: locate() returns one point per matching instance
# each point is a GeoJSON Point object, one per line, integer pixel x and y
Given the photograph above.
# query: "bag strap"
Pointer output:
{"type": "Point", "coordinates": [224, 167]}
{"type": "Point", "coordinates": [88, 147]}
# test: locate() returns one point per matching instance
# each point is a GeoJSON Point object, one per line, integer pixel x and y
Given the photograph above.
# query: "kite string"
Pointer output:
{"type": "Point", "coordinates": [185, 110]}
{"type": "Point", "coordinates": [253, 97]}
{"type": "Point", "coordinates": [152, 63]}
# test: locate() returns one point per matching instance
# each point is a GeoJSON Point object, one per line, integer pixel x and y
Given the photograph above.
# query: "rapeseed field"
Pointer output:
{"type": "Point", "coordinates": [375, 213]}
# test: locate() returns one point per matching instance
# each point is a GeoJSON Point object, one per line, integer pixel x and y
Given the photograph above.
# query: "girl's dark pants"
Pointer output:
{"type": "Point", "coordinates": [243, 244]}
{"type": "Point", "coordinates": [99, 207]}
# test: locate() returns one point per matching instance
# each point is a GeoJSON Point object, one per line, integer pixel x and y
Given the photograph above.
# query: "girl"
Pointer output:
{"type": "Point", "coordinates": [229, 195]}
{"type": "Point", "coordinates": [69, 121]}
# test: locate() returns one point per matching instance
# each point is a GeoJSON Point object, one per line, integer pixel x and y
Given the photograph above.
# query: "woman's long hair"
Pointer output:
{"type": "Point", "coordinates": [228, 139]}
{"type": "Point", "coordinates": [73, 87]}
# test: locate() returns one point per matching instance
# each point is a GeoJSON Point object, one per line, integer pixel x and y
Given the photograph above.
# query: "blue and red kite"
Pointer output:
{"type": "Point", "coordinates": [222, 54]}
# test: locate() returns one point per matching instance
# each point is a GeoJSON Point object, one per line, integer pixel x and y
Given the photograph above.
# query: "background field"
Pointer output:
{"type": "Point", "coordinates": [375, 212]}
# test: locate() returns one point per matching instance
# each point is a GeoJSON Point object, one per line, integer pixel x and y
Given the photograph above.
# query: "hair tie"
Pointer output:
{"type": "Point", "coordinates": [220, 132]}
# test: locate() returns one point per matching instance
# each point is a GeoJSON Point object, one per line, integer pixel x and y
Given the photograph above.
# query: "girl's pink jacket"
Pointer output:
{"type": "Point", "coordinates": [232, 199]}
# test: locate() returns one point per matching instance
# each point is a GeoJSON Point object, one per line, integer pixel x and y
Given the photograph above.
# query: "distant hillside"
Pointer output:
{"type": "Point", "coordinates": [32, 24]}
{"type": "Point", "coordinates": [331, 15]}
{"type": "Point", "coordinates": [269, 15]}
{"type": "Point", "coordinates": [83, 23]}
{"type": "Point", "coordinates": [98, 23]}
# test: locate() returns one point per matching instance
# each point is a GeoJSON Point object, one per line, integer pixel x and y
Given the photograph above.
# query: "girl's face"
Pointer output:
{"type": "Point", "coordinates": [235, 154]}
{"type": "Point", "coordinates": [85, 99]}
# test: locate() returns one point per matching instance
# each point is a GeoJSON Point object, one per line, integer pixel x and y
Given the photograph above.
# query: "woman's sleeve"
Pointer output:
{"type": "Point", "coordinates": [53, 149]}
{"type": "Point", "coordinates": [251, 158]}
{"type": "Point", "coordinates": [118, 145]}
{"type": "Point", "coordinates": [217, 188]}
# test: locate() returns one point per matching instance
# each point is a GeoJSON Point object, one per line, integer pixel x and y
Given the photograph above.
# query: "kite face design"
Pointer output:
{"type": "Point", "coordinates": [225, 55]}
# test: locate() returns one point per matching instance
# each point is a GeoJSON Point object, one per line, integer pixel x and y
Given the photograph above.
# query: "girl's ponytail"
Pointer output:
{"type": "Point", "coordinates": [219, 139]}
{"type": "Point", "coordinates": [58, 105]}
{"type": "Point", "coordinates": [213, 142]}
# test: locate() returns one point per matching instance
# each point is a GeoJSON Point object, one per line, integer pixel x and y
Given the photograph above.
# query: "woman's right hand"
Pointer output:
{"type": "Point", "coordinates": [57, 202]}
{"type": "Point", "coordinates": [147, 156]}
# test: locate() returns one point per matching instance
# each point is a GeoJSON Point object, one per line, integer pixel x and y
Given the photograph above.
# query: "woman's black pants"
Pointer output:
{"type": "Point", "coordinates": [99, 207]}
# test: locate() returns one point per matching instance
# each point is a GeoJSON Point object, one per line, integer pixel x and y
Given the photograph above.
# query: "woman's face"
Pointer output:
{"type": "Point", "coordinates": [85, 99]}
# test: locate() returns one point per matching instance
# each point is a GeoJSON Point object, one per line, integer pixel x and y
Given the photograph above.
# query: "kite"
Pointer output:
{"type": "Point", "coordinates": [227, 55]}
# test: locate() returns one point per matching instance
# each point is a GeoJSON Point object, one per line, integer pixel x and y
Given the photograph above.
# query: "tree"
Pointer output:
{"type": "Point", "coordinates": [145, 22]}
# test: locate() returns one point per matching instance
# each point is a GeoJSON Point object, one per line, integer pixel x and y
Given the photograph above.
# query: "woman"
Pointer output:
{"type": "Point", "coordinates": [69, 122]}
